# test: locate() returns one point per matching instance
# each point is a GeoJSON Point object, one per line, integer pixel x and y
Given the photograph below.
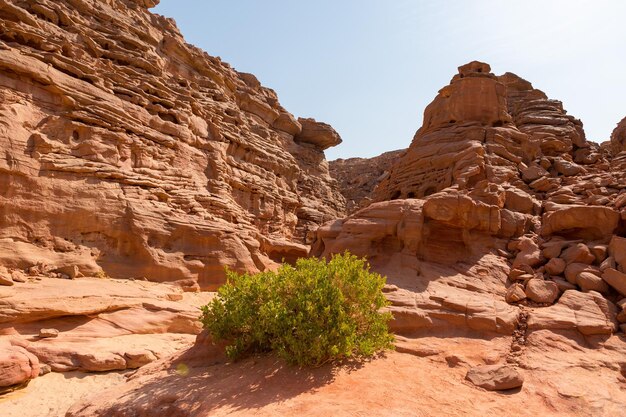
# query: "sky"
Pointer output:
{"type": "Point", "coordinates": [370, 67]}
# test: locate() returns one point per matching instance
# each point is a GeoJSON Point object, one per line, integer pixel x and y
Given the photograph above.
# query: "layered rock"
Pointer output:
{"type": "Point", "coordinates": [128, 151]}
{"type": "Point", "coordinates": [358, 177]}
{"type": "Point", "coordinates": [498, 176]}
{"type": "Point", "coordinates": [93, 325]}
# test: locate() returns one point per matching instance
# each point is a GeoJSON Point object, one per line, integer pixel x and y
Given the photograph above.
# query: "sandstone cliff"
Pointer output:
{"type": "Point", "coordinates": [128, 152]}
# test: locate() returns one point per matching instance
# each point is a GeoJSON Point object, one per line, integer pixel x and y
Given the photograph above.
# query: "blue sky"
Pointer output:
{"type": "Point", "coordinates": [370, 67]}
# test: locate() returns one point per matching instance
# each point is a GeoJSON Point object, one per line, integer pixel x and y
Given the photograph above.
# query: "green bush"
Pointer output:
{"type": "Point", "coordinates": [309, 315]}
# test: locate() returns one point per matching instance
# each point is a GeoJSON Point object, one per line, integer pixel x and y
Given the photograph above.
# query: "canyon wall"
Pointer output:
{"type": "Point", "coordinates": [127, 152]}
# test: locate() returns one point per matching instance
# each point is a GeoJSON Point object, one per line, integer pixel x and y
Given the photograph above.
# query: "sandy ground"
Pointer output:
{"type": "Point", "coordinates": [52, 394]}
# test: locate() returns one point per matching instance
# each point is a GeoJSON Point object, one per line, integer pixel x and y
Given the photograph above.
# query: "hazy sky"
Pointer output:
{"type": "Point", "coordinates": [370, 67]}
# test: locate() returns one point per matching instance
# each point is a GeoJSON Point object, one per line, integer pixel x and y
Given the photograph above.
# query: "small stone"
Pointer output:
{"type": "Point", "coordinates": [515, 293]}
{"type": "Point", "coordinates": [70, 271]}
{"type": "Point", "coordinates": [572, 271]}
{"type": "Point", "coordinates": [6, 280]}
{"type": "Point", "coordinates": [608, 263]}
{"type": "Point", "coordinates": [495, 377]}
{"type": "Point", "coordinates": [44, 368]}
{"type": "Point", "coordinates": [48, 333]}
{"type": "Point", "coordinates": [599, 251]}
{"type": "Point", "coordinates": [563, 284]}
{"type": "Point", "coordinates": [18, 276]}
{"type": "Point", "coordinates": [617, 249]}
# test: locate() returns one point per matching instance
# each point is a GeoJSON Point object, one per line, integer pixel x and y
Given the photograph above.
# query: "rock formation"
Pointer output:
{"type": "Point", "coordinates": [501, 232]}
{"type": "Point", "coordinates": [131, 154]}
{"type": "Point", "coordinates": [128, 152]}
{"type": "Point", "coordinates": [358, 177]}
{"type": "Point", "coordinates": [500, 218]}
{"type": "Point", "coordinates": [91, 325]}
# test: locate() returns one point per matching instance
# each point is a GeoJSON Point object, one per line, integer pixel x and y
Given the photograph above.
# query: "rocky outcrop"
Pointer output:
{"type": "Point", "coordinates": [497, 176]}
{"type": "Point", "coordinates": [128, 152]}
{"type": "Point", "coordinates": [94, 324]}
{"type": "Point", "coordinates": [358, 177]}
{"type": "Point", "coordinates": [618, 138]}
{"type": "Point", "coordinates": [17, 366]}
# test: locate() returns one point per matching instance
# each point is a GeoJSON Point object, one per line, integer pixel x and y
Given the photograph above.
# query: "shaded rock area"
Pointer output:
{"type": "Point", "coordinates": [128, 152]}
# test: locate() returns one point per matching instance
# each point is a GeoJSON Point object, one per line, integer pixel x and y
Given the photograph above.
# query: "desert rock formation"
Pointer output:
{"type": "Point", "coordinates": [358, 177]}
{"type": "Point", "coordinates": [131, 154]}
{"type": "Point", "coordinates": [500, 218]}
{"type": "Point", "coordinates": [128, 152]}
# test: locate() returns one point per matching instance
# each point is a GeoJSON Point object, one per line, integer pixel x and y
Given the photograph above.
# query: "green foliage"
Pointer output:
{"type": "Point", "coordinates": [309, 315]}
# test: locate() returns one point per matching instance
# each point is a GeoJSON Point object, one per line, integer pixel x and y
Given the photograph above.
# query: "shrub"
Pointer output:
{"type": "Point", "coordinates": [309, 314]}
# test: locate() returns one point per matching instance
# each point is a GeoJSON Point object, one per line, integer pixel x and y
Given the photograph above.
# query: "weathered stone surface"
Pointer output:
{"type": "Point", "coordinates": [320, 135]}
{"type": "Point", "coordinates": [541, 291]}
{"type": "Point", "coordinates": [98, 324]}
{"type": "Point", "coordinates": [589, 313]}
{"type": "Point", "coordinates": [17, 365]}
{"type": "Point", "coordinates": [128, 152]}
{"type": "Point", "coordinates": [615, 279]}
{"type": "Point", "coordinates": [358, 177]}
{"type": "Point", "coordinates": [495, 377]}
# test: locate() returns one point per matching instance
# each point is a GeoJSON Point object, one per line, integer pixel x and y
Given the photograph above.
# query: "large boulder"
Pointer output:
{"type": "Point", "coordinates": [17, 366]}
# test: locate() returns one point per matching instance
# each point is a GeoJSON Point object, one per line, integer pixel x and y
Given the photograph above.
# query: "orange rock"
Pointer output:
{"type": "Point", "coordinates": [17, 365]}
{"type": "Point", "coordinates": [134, 154]}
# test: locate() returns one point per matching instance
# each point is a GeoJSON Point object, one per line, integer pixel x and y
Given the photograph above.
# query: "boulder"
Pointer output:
{"type": "Point", "coordinates": [615, 279]}
{"type": "Point", "coordinates": [515, 293]}
{"type": "Point", "coordinates": [555, 266]}
{"type": "Point", "coordinates": [578, 253]}
{"type": "Point", "coordinates": [617, 249]}
{"type": "Point", "coordinates": [572, 270]}
{"type": "Point", "coordinates": [17, 366]}
{"type": "Point", "coordinates": [588, 281]}
{"type": "Point", "coordinates": [542, 291]}
{"type": "Point", "coordinates": [589, 222]}
{"type": "Point", "coordinates": [587, 312]}
{"type": "Point", "coordinates": [529, 253]}
{"type": "Point", "coordinates": [318, 134]}
{"type": "Point", "coordinates": [495, 377]}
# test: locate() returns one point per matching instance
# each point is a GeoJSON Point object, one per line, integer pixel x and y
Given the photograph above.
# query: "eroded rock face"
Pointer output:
{"type": "Point", "coordinates": [128, 151]}
{"type": "Point", "coordinates": [17, 365]}
{"type": "Point", "coordinates": [618, 138]}
{"type": "Point", "coordinates": [496, 169]}
{"type": "Point", "coordinates": [94, 325]}
{"type": "Point", "coordinates": [358, 177]}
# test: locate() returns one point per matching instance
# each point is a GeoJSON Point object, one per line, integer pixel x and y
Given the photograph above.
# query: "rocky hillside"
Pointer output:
{"type": "Point", "coordinates": [130, 153]}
